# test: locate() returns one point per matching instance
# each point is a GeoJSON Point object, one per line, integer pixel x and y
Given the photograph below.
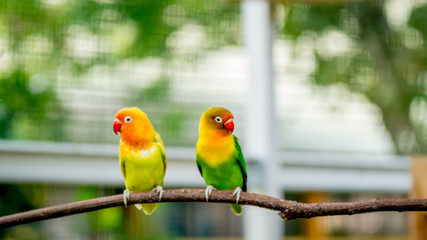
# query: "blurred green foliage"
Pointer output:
{"type": "Point", "coordinates": [56, 38]}
{"type": "Point", "coordinates": [19, 198]}
{"type": "Point", "coordinates": [22, 98]}
{"type": "Point", "coordinates": [141, 28]}
{"type": "Point", "coordinates": [385, 63]}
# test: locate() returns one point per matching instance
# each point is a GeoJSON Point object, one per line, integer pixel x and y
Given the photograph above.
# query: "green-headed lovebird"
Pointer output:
{"type": "Point", "coordinates": [219, 156]}
{"type": "Point", "coordinates": [141, 154]}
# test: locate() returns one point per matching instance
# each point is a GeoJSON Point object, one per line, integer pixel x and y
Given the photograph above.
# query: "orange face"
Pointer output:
{"type": "Point", "coordinates": [218, 119]}
{"type": "Point", "coordinates": [133, 125]}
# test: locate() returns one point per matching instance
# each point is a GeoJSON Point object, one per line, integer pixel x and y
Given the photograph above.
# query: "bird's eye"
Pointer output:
{"type": "Point", "coordinates": [128, 119]}
{"type": "Point", "coordinates": [218, 120]}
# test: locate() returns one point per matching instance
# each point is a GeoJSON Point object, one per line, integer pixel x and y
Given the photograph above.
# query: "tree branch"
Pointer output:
{"type": "Point", "coordinates": [288, 209]}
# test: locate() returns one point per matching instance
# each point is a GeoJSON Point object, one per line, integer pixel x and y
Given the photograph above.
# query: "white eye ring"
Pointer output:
{"type": "Point", "coordinates": [218, 119]}
{"type": "Point", "coordinates": [128, 119]}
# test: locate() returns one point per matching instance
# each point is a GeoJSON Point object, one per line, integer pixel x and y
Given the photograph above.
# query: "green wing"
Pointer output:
{"type": "Point", "coordinates": [241, 162]}
{"type": "Point", "coordinates": [198, 165]}
{"type": "Point", "coordinates": [159, 143]}
{"type": "Point", "coordinates": [122, 167]}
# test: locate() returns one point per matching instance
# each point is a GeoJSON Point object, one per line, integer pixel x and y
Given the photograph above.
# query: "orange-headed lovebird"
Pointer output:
{"type": "Point", "coordinates": [142, 155]}
{"type": "Point", "coordinates": [219, 156]}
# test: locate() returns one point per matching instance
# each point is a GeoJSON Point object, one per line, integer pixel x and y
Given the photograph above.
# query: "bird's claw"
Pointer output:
{"type": "Point", "coordinates": [159, 191]}
{"type": "Point", "coordinates": [208, 191]}
{"type": "Point", "coordinates": [126, 194]}
{"type": "Point", "coordinates": [236, 193]}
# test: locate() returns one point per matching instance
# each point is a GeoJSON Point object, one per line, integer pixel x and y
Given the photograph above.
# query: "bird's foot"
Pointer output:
{"type": "Point", "coordinates": [208, 191]}
{"type": "Point", "coordinates": [126, 194]}
{"type": "Point", "coordinates": [236, 193]}
{"type": "Point", "coordinates": [159, 191]}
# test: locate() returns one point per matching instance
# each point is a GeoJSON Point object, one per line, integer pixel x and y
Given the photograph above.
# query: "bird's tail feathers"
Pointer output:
{"type": "Point", "coordinates": [147, 208]}
{"type": "Point", "coordinates": [237, 209]}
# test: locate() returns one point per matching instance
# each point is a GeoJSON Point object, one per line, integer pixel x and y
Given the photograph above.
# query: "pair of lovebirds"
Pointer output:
{"type": "Point", "coordinates": [142, 155]}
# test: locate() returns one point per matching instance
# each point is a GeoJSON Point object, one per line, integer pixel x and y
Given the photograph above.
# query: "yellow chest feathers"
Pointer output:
{"type": "Point", "coordinates": [216, 151]}
{"type": "Point", "coordinates": [137, 151]}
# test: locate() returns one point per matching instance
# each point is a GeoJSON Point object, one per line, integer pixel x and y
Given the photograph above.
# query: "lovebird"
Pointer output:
{"type": "Point", "coordinates": [141, 154]}
{"type": "Point", "coordinates": [219, 157]}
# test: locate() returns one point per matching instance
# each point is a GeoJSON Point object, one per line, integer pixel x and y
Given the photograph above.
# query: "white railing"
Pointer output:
{"type": "Point", "coordinates": [299, 171]}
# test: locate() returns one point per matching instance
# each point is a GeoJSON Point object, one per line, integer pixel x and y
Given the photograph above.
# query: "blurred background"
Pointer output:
{"type": "Point", "coordinates": [347, 90]}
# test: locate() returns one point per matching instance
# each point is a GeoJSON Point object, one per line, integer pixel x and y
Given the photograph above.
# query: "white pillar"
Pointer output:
{"type": "Point", "coordinates": [260, 142]}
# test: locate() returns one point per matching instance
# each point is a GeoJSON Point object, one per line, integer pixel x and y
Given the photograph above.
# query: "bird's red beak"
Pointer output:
{"type": "Point", "coordinates": [117, 126]}
{"type": "Point", "coordinates": [229, 125]}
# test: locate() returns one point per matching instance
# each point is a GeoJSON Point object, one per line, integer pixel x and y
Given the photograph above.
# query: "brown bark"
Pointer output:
{"type": "Point", "coordinates": [288, 209]}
